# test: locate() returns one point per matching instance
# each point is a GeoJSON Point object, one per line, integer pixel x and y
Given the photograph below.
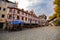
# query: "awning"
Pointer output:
{"type": "Point", "coordinates": [17, 22]}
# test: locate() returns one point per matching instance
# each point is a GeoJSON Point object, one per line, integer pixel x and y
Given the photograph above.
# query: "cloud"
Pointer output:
{"type": "Point", "coordinates": [39, 6]}
{"type": "Point", "coordinates": [42, 6]}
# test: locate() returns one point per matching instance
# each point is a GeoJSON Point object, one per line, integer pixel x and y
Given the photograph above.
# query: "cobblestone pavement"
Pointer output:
{"type": "Point", "coordinates": [40, 33]}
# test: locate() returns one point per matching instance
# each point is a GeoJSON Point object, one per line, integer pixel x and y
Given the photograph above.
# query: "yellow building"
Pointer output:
{"type": "Point", "coordinates": [4, 4]}
{"type": "Point", "coordinates": [3, 14]}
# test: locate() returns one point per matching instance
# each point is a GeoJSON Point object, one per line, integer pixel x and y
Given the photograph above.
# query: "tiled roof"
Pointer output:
{"type": "Point", "coordinates": [8, 1]}
{"type": "Point", "coordinates": [32, 13]}
{"type": "Point", "coordinates": [19, 9]}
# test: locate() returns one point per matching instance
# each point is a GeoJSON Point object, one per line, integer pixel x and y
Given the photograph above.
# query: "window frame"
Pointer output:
{"type": "Point", "coordinates": [3, 16]}
{"type": "Point", "coordinates": [4, 9]}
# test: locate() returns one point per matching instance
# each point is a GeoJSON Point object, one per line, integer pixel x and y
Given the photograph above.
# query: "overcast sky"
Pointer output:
{"type": "Point", "coordinates": [39, 6]}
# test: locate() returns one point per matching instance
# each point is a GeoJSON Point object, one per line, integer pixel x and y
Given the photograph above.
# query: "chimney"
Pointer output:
{"type": "Point", "coordinates": [22, 9]}
{"type": "Point", "coordinates": [27, 11]}
{"type": "Point", "coordinates": [16, 4]}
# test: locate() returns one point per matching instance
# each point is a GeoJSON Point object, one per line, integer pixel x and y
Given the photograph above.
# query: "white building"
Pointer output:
{"type": "Point", "coordinates": [42, 19]}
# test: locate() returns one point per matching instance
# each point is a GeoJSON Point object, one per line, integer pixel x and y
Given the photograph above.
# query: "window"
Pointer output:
{"type": "Point", "coordinates": [10, 10]}
{"type": "Point", "coordinates": [22, 13]}
{"type": "Point", "coordinates": [0, 8]}
{"type": "Point", "coordinates": [18, 12]}
{"type": "Point", "coordinates": [3, 16]}
{"type": "Point", "coordinates": [18, 17]}
{"type": "Point", "coordinates": [35, 21]}
{"type": "Point", "coordinates": [14, 11]}
{"type": "Point", "coordinates": [26, 14]}
{"type": "Point", "coordinates": [22, 18]}
{"type": "Point", "coordinates": [26, 19]}
{"type": "Point", "coordinates": [4, 9]}
{"type": "Point", "coordinates": [10, 16]}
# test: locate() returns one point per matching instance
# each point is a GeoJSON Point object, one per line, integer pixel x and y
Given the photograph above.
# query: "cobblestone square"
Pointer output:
{"type": "Point", "coordinates": [40, 33]}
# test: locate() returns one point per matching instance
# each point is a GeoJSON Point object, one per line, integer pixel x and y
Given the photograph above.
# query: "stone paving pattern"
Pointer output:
{"type": "Point", "coordinates": [40, 33]}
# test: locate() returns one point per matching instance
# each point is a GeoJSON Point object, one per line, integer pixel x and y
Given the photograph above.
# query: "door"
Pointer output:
{"type": "Point", "coordinates": [1, 25]}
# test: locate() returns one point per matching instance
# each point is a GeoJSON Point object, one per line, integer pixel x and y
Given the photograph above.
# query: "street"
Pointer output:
{"type": "Point", "coordinates": [40, 33]}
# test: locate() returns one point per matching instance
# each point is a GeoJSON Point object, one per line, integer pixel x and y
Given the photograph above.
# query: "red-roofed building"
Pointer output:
{"type": "Point", "coordinates": [20, 14]}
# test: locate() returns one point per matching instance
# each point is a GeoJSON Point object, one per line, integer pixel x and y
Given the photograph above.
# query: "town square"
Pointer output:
{"type": "Point", "coordinates": [29, 20]}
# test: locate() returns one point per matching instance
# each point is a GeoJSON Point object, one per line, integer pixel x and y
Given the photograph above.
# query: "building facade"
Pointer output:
{"type": "Point", "coordinates": [4, 4]}
{"type": "Point", "coordinates": [22, 15]}
{"type": "Point", "coordinates": [42, 19]}
{"type": "Point", "coordinates": [10, 12]}
{"type": "Point", "coordinates": [3, 14]}
{"type": "Point", "coordinates": [9, 3]}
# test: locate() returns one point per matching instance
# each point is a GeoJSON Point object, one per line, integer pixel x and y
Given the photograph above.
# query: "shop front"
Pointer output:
{"type": "Point", "coordinates": [2, 24]}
